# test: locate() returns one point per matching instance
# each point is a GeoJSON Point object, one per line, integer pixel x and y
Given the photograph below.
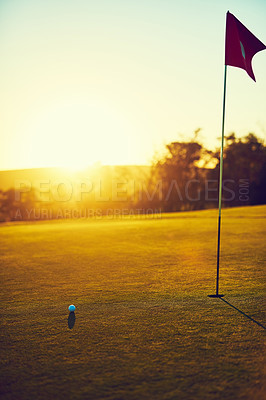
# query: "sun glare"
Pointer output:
{"type": "Point", "coordinates": [74, 135]}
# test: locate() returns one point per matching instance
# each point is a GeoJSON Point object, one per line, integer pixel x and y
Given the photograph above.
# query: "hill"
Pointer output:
{"type": "Point", "coordinates": [11, 178]}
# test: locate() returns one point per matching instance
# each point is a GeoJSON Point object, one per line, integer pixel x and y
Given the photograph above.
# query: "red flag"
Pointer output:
{"type": "Point", "coordinates": [240, 45]}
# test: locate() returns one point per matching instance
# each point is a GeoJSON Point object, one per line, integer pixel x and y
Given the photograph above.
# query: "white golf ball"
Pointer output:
{"type": "Point", "coordinates": [71, 308]}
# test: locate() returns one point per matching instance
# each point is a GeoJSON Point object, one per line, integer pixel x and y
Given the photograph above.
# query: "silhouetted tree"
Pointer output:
{"type": "Point", "coordinates": [13, 208]}
{"type": "Point", "coordinates": [244, 166]}
{"type": "Point", "coordinates": [180, 177]}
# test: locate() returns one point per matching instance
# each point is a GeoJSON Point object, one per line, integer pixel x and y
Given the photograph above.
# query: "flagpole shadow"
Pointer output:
{"type": "Point", "coordinates": [242, 312]}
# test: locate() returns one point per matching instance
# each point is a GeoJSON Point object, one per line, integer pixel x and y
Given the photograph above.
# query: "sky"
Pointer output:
{"type": "Point", "coordinates": [113, 81]}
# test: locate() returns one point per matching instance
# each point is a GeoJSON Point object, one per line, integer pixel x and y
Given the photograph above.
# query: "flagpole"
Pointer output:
{"type": "Point", "coordinates": [220, 191]}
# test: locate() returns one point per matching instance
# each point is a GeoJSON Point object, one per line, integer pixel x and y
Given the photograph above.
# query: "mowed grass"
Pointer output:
{"type": "Point", "coordinates": [145, 328]}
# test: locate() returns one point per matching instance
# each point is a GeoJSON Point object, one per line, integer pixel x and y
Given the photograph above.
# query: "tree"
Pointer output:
{"type": "Point", "coordinates": [180, 176]}
{"type": "Point", "coordinates": [244, 163]}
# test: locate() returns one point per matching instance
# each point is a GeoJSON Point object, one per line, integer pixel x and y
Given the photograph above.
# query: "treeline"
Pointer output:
{"type": "Point", "coordinates": [185, 178]}
{"type": "Point", "coordinates": [189, 175]}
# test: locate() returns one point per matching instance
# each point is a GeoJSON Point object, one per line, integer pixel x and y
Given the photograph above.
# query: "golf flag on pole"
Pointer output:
{"type": "Point", "coordinates": [240, 45]}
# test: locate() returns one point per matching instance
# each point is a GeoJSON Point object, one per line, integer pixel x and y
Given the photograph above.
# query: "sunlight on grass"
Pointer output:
{"type": "Point", "coordinates": [144, 327]}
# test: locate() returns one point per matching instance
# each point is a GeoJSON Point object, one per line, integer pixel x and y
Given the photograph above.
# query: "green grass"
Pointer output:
{"type": "Point", "coordinates": [145, 328]}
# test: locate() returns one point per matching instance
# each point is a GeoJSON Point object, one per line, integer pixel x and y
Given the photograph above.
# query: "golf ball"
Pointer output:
{"type": "Point", "coordinates": [71, 308]}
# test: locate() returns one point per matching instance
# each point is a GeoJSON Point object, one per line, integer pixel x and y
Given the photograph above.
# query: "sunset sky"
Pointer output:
{"type": "Point", "coordinates": [112, 81]}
